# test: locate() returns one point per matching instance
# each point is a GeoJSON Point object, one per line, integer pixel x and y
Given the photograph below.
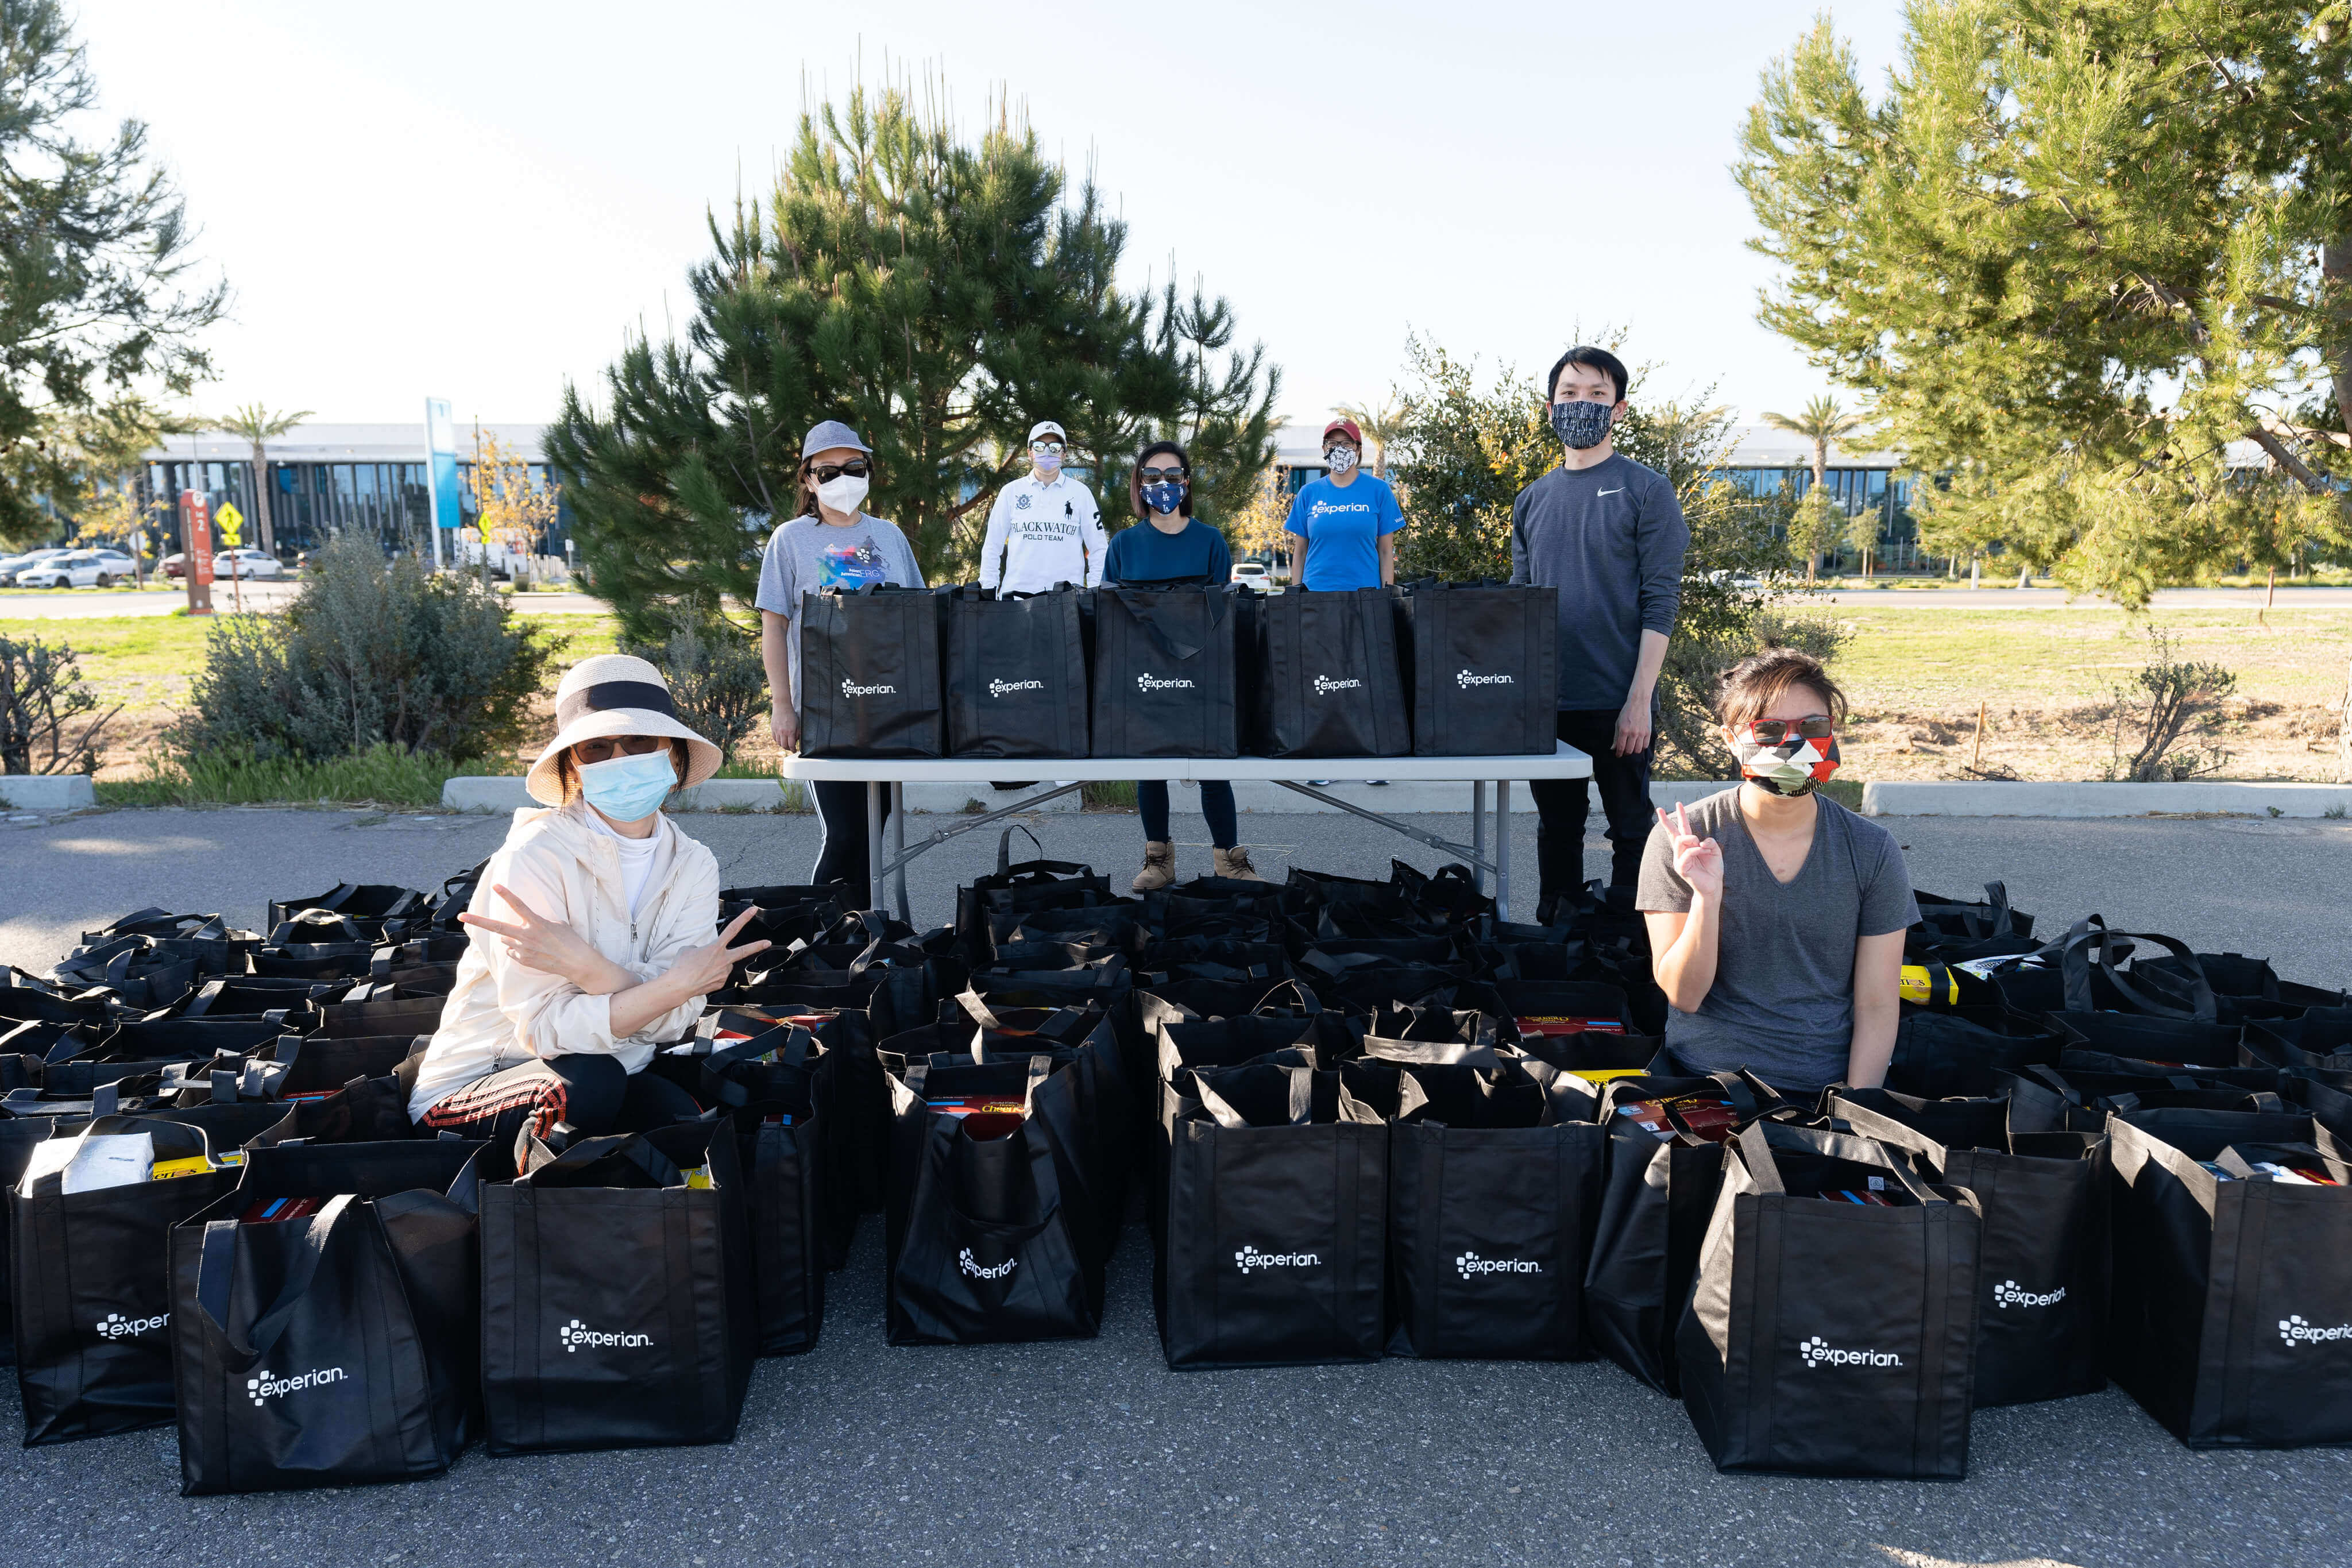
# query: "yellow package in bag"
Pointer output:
{"type": "Point", "coordinates": [1934, 985]}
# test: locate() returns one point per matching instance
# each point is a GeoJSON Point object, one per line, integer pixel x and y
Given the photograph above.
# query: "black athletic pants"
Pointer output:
{"type": "Point", "coordinates": [841, 806]}
{"type": "Point", "coordinates": [1561, 804]}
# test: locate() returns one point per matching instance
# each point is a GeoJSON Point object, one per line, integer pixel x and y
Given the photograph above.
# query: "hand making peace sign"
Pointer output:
{"type": "Point", "coordinates": [1698, 861]}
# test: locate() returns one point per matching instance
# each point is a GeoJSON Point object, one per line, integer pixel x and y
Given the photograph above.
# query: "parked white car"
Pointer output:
{"type": "Point", "coordinates": [75, 569]}
{"type": "Point", "coordinates": [249, 565]}
{"type": "Point", "coordinates": [12, 565]}
{"type": "Point", "coordinates": [1255, 574]}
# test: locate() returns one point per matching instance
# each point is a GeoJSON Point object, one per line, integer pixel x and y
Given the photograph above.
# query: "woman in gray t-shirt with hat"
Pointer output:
{"type": "Point", "coordinates": [831, 545]}
{"type": "Point", "coordinates": [1777, 917]}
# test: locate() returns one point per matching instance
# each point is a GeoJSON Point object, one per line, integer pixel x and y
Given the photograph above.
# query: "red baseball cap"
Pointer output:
{"type": "Point", "coordinates": [1347, 427]}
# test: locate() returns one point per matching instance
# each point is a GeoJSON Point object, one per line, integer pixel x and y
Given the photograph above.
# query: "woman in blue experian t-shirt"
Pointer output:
{"type": "Point", "coordinates": [1346, 522]}
{"type": "Point", "coordinates": [1171, 545]}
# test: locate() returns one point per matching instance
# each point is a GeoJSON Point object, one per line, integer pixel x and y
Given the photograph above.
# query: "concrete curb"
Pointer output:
{"type": "Point", "coordinates": [46, 791]}
{"type": "Point", "coordinates": [1970, 797]}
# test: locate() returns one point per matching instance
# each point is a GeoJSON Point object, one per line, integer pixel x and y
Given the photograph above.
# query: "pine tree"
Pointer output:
{"type": "Point", "coordinates": [100, 309]}
{"type": "Point", "coordinates": [939, 294]}
{"type": "Point", "coordinates": [2072, 255]}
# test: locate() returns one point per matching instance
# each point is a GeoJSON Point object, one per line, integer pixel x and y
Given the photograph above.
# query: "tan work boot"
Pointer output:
{"type": "Point", "coordinates": [1159, 866]}
{"type": "Point", "coordinates": [1235, 863]}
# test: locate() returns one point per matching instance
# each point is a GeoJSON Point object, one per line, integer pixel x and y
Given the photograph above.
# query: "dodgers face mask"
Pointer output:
{"type": "Point", "coordinates": [1164, 496]}
{"type": "Point", "coordinates": [1789, 757]}
{"type": "Point", "coordinates": [629, 788]}
{"type": "Point", "coordinates": [1581, 424]}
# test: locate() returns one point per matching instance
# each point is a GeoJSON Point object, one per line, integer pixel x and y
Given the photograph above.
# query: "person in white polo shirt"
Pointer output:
{"type": "Point", "coordinates": [1045, 526]}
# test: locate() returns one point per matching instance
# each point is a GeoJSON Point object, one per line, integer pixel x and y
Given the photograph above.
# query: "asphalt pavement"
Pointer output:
{"type": "Point", "coordinates": [1079, 1452]}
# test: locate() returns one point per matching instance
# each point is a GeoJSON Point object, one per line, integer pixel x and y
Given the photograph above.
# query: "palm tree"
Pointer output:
{"type": "Point", "coordinates": [1381, 424]}
{"type": "Point", "coordinates": [258, 425]}
{"type": "Point", "coordinates": [1821, 422]}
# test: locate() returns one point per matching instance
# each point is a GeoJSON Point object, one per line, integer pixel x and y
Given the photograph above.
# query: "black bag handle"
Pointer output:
{"type": "Point", "coordinates": [1005, 848]}
{"type": "Point", "coordinates": [1309, 1002]}
{"type": "Point", "coordinates": [217, 1271]}
{"type": "Point", "coordinates": [536, 1159]}
{"type": "Point", "coordinates": [1157, 635]}
{"type": "Point", "coordinates": [1302, 1100]}
{"type": "Point", "coordinates": [1755, 1153]}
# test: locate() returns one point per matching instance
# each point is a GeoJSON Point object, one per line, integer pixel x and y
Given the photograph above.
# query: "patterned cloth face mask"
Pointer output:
{"type": "Point", "coordinates": [1164, 496]}
{"type": "Point", "coordinates": [1581, 424]}
{"type": "Point", "coordinates": [1340, 459]}
{"type": "Point", "coordinates": [1788, 756]}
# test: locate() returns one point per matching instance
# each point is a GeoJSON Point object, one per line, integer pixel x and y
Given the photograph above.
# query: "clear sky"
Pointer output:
{"type": "Point", "coordinates": [477, 200]}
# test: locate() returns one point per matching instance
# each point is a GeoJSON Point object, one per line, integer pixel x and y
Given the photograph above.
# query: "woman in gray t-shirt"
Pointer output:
{"type": "Point", "coordinates": [832, 544]}
{"type": "Point", "coordinates": [1776, 917]}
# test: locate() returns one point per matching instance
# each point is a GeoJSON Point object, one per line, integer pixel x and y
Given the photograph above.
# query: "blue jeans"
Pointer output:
{"type": "Point", "coordinates": [1216, 805]}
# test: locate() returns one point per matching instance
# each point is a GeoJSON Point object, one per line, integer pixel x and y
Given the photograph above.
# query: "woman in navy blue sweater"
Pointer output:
{"type": "Point", "coordinates": [1170, 545]}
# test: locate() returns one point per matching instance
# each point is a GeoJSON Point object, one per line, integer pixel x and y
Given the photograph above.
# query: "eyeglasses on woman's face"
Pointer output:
{"type": "Point", "coordinates": [856, 468]}
{"type": "Point", "coordinates": [604, 748]}
{"type": "Point", "coordinates": [1155, 475]}
{"type": "Point", "coordinates": [1779, 732]}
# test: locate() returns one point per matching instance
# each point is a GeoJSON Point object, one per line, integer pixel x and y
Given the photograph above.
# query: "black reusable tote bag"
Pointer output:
{"type": "Point", "coordinates": [767, 1085]}
{"type": "Point", "coordinates": [2042, 1311]}
{"type": "Point", "coordinates": [1277, 1199]}
{"type": "Point", "coordinates": [616, 1293]}
{"type": "Point", "coordinates": [870, 673]}
{"type": "Point", "coordinates": [1016, 674]}
{"type": "Point", "coordinates": [983, 1249]}
{"type": "Point", "coordinates": [337, 1347]}
{"type": "Point", "coordinates": [1494, 1185]}
{"type": "Point", "coordinates": [1328, 682]}
{"type": "Point", "coordinates": [1828, 1336]}
{"type": "Point", "coordinates": [90, 1293]}
{"type": "Point", "coordinates": [2232, 1321]}
{"type": "Point", "coordinates": [1481, 668]}
{"type": "Point", "coordinates": [1165, 673]}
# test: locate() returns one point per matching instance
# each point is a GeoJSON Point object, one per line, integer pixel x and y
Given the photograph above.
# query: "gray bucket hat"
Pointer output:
{"type": "Point", "coordinates": [831, 432]}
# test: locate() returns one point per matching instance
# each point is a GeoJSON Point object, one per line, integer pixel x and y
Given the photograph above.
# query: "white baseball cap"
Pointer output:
{"type": "Point", "coordinates": [1047, 427]}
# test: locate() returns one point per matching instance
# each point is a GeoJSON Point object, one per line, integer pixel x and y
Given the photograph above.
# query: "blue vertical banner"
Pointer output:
{"type": "Point", "coordinates": [441, 472]}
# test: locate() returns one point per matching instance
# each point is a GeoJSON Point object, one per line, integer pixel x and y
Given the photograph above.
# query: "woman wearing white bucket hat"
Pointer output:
{"type": "Point", "coordinates": [594, 935]}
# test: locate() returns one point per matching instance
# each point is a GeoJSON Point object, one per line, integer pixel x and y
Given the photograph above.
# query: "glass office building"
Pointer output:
{"type": "Point", "coordinates": [326, 480]}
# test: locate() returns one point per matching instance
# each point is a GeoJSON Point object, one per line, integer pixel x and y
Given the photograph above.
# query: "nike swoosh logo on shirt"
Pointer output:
{"type": "Point", "coordinates": [1618, 491]}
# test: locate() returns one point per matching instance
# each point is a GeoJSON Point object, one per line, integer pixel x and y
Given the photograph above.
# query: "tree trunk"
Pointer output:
{"type": "Point", "coordinates": [2335, 278]}
{"type": "Point", "coordinates": [2344, 732]}
{"type": "Point", "coordinates": [261, 501]}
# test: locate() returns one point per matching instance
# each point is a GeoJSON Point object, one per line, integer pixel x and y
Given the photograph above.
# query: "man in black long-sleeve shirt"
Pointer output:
{"type": "Point", "coordinates": [1608, 534]}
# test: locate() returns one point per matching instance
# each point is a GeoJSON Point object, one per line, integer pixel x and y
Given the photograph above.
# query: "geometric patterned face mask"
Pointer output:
{"type": "Point", "coordinates": [1790, 759]}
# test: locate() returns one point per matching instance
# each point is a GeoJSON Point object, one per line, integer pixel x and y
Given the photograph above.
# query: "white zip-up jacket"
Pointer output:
{"type": "Point", "coordinates": [501, 1014]}
{"type": "Point", "coordinates": [1039, 536]}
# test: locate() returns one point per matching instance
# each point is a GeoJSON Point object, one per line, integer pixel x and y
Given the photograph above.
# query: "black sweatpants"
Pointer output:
{"type": "Point", "coordinates": [1561, 804]}
{"type": "Point", "coordinates": [841, 806]}
{"type": "Point", "coordinates": [594, 1093]}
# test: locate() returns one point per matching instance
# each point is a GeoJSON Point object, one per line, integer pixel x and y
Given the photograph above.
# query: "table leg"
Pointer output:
{"type": "Point", "coordinates": [874, 892]}
{"type": "Point", "coordinates": [1503, 847]}
{"type": "Point", "coordinates": [1478, 834]}
{"type": "Point", "coordinates": [898, 844]}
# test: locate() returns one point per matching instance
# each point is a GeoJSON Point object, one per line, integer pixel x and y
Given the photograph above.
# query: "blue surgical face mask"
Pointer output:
{"type": "Point", "coordinates": [1164, 497]}
{"type": "Point", "coordinates": [627, 789]}
{"type": "Point", "coordinates": [1581, 424]}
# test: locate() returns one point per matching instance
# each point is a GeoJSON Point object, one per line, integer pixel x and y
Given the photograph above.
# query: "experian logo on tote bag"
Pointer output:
{"type": "Point", "coordinates": [2007, 1294]}
{"type": "Point", "coordinates": [971, 1266]}
{"type": "Point", "coordinates": [849, 689]}
{"type": "Point", "coordinates": [2293, 1329]}
{"type": "Point", "coordinates": [999, 688]}
{"type": "Point", "coordinates": [1250, 1257]}
{"type": "Point", "coordinates": [1470, 1265]}
{"type": "Point", "coordinates": [1818, 1352]}
{"type": "Point", "coordinates": [269, 1385]}
{"type": "Point", "coordinates": [117, 1327]}
{"type": "Point", "coordinates": [1146, 681]}
{"type": "Point", "coordinates": [576, 1335]}
{"type": "Point", "coordinates": [1324, 685]}
{"type": "Point", "coordinates": [1464, 679]}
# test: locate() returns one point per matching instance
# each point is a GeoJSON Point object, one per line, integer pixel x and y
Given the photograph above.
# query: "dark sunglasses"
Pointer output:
{"type": "Point", "coordinates": [1052, 448]}
{"type": "Point", "coordinates": [1154, 476]}
{"type": "Point", "coordinates": [856, 468]}
{"type": "Point", "coordinates": [1777, 731]}
{"type": "Point", "coordinates": [605, 749]}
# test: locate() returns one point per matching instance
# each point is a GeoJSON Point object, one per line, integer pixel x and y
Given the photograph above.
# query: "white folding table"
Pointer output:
{"type": "Point", "coordinates": [1071, 773]}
